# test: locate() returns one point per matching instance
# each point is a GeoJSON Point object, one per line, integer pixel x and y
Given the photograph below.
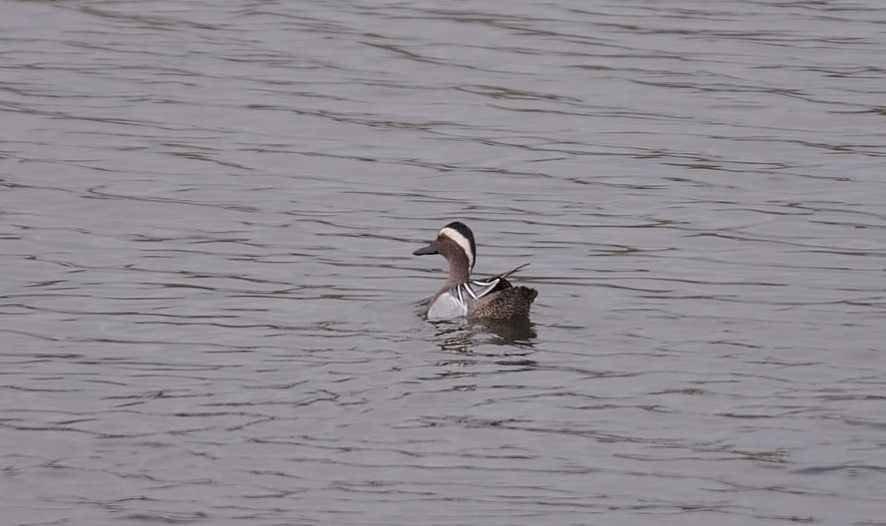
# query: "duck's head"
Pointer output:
{"type": "Point", "coordinates": [455, 242]}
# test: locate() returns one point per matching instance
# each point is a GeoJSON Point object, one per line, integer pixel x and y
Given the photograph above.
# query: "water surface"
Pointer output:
{"type": "Point", "coordinates": [209, 311]}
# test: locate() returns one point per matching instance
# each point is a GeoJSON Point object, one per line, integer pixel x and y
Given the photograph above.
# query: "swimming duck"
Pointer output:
{"type": "Point", "coordinates": [494, 298]}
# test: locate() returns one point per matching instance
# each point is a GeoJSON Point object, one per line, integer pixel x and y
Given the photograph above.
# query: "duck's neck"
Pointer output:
{"type": "Point", "coordinates": [459, 271]}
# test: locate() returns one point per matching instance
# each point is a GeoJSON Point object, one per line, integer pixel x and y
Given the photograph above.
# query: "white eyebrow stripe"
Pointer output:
{"type": "Point", "coordinates": [462, 241]}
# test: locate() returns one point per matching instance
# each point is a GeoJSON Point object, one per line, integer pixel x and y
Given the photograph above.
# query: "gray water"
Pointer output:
{"type": "Point", "coordinates": [210, 314]}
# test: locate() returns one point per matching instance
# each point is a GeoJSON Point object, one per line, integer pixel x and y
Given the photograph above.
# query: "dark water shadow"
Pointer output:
{"type": "Point", "coordinates": [519, 331]}
{"type": "Point", "coordinates": [461, 336]}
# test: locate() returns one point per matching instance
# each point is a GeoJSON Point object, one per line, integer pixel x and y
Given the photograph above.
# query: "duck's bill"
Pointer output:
{"type": "Point", "coordinates": [425, 251]}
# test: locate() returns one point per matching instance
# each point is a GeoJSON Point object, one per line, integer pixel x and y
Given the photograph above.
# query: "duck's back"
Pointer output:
{"type": "Point", "coordinates": [495, 299]}
{"type": "Point", "coordinates": [504, 303]}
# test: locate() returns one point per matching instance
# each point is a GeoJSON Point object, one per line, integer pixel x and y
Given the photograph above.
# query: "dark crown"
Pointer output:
{"type": "Point", "coordinates": [463, 229]}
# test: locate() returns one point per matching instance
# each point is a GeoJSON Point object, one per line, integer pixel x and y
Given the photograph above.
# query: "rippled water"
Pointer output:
{"type": "Point", "coordinates": [210, 314]}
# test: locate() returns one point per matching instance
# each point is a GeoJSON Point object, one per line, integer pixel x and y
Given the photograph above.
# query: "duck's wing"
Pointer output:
{"type": "Point", "coordinates": [457, 300]}
{"type": "Point", "coordinates": [473, 290]}
{"type": "Point", "coordinates": [476, 289]}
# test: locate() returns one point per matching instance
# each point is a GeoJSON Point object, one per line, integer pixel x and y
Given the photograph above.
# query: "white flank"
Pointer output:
{"type": "Point", "coordinates": [462, 241]}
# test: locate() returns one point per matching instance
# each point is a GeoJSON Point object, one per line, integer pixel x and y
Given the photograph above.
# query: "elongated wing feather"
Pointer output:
{"type": "Point", "coordinates": [508, 273]}
{"type": "Point", "coordinates": [475, 290]}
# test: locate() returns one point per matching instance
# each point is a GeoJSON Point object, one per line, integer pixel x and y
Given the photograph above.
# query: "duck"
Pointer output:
{"type": "Point", "coordinates": [461, 297]}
